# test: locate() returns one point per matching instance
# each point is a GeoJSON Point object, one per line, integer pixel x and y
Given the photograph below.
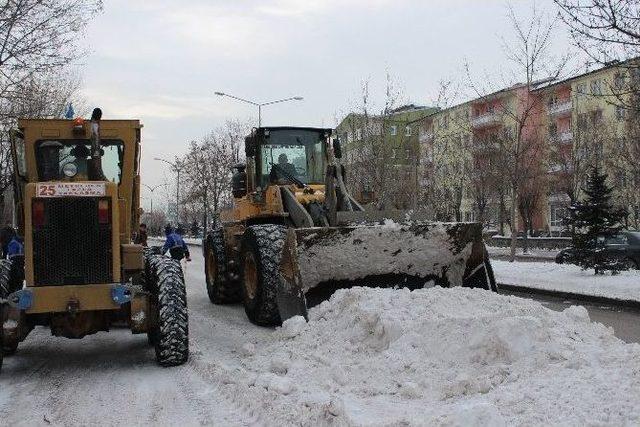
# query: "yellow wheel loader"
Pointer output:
{"type": "Point", "coordinates": [76, 210]}
{"type": "Point", "coordinates": [294, 233]}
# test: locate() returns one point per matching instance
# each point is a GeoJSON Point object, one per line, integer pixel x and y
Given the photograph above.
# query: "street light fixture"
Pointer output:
{"type": "Point", "coordinates": [176, 167]}
{"type": "Point", "coordinates": [259, 104]}
{"type": "Point", "coordinates": [152, 189]}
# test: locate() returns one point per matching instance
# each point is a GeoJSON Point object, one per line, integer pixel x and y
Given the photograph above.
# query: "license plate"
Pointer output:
{"type": "Point", "coordinates": [76, 189]}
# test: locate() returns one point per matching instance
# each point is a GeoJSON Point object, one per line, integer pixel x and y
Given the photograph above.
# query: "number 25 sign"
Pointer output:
{"type": "Point", "coordinates": [71, 190]}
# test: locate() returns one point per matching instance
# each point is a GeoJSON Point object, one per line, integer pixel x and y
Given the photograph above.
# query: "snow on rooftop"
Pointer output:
{"type": "Point", "coordinates": [440, 357]}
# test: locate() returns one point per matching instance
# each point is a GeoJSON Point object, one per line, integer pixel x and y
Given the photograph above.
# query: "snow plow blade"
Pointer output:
{"type": "Point", "coordinates": [411, 254]}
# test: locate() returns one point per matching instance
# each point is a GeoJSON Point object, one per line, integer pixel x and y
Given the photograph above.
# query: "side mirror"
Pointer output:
{"type": "Point", "coordinates": [337, 149]}
{"type": "Point", "coordinates": [250, 146]}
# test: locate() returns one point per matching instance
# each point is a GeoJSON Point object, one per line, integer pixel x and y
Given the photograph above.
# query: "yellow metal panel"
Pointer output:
{"type": "Point", "coordinates": [50, 133]}
{"type": "Point", "coordinates": [55, 299]}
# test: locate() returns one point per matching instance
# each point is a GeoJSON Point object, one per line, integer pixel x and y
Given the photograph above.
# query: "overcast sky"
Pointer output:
{"type": "Point", "coordinates": [160, 61]}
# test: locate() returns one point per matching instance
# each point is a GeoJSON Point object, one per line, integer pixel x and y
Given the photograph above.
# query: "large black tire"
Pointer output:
{"type": "Point", "coordinates": [4, 291]}
{"type": "Point", "coordinates": [8, 284]}
{"type": "Point", "coordinates": [220, 287]}
{"type": "Point", "coordinates": [261, 253]}
{"type": "Point", "coordinates": [150, 285]}
{"type": "Point", "coordinates": [170, 337]}
{"type": "Point", "coordinates": [1, 336]}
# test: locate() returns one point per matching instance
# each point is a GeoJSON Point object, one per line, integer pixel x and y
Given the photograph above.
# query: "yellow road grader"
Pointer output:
{"type": "Point", "coordinates": [295, 232]}
{"type": "Point", "coordinates": [81, 272]}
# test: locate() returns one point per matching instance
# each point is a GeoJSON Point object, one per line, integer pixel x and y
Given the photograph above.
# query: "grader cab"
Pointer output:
{"type": "Point", "coordinates": [294, 232]}
{"type": "Point", "coordinates": [82, 273]}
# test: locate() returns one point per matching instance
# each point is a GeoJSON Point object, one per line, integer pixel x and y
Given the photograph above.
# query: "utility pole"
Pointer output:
{"type": "Point", "coordinates": [176, 165]}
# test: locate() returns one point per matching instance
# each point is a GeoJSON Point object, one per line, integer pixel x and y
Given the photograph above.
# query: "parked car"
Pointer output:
{"type": "Point", "coordinates": [624, 247]}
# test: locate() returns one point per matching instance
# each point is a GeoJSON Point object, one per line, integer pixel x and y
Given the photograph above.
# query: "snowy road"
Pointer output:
{"type": "Point", "coordinates": [111, 378]}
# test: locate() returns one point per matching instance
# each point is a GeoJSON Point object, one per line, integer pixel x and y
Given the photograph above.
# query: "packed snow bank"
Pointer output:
{"type": "Point", "coordinates": [568, 278]}
{"type": "Point", "coordinates": [440, 357]}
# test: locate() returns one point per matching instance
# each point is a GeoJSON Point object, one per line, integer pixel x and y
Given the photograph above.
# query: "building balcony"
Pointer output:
{"type": "Point", "coordinates": [562, 137]}
{"type": "Point", "coordinates": [485, 120]}
{"type": "Point", "coordinates": [426, 136]}
{"type": "Point", "coordinates": [560, 108]}
{"type": "Point", "coordinates": [565, 137]}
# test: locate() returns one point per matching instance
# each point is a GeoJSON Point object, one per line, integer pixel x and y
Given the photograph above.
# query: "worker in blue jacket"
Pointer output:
{"type": "Point", "coordinates": [175, 244]}
{"type": "Point", "coordinates": [13, 250]}
{"type": "Point", "coordinates": [12, 245]}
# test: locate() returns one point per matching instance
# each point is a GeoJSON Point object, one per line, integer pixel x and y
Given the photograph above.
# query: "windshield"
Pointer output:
{"type": "Point", "coordinates": [290, 155]}
{"type": "Point", "coordinates": [53, 155]}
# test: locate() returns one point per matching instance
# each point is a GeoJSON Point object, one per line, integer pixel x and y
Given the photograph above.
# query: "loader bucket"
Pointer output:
{"type": "Point", "coordinates": [386, 254]}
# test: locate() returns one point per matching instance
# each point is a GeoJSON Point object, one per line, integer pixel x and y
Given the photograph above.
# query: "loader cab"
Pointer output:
{"type": "Point", "coordinates": [287, 155]}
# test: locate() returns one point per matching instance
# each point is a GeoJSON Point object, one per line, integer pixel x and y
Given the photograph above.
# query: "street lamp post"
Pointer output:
{"type": "Point", "coordinates": [152, 189]}
{"type": "Point", "coordinates": [260, 104]}
{"type": "Point", "coordinates": [176, 166]}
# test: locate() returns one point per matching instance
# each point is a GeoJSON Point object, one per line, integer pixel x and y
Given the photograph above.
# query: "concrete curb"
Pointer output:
{"type": "Point", "coordinates": [591, 299]}
{"type": "Point", "coordinates": [528, 258]}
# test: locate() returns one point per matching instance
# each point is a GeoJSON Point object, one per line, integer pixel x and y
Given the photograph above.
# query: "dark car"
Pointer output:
{"type": "Point", "coordinates": [624, 247]}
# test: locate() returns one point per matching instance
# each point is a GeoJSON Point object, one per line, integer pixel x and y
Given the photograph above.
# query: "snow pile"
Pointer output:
{"type": "Point", "coordinates": [568, 278]}
{"type": "Point", "coordinates": [438, 356]}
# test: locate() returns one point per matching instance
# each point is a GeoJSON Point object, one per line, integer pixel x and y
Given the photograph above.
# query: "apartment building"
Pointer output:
{"type": "Point", "coordinates": [459, 161]}
{"type": "Point", "coordinates": [587, 119]}
{"type": "Point", "coordinates": [383, 147]}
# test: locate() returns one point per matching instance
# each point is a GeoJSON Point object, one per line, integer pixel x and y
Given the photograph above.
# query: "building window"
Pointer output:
{"type": "Point", "coordinates": [620, 112]}
{"type": "Point", "coordinates": [596, 87]}
{"type": "Point", "coordinates": [581, 88]}
{"type": "Point", "coordinates": [582, 121]}
{"type": "Point", "coordinates": [407, 131]}
{"type": "Point", "coordinates": [618, 80]}
{"type": "Point", "coordinates": [558, 214]}
{"type": "Point", "coordinates": [393, 130]}
{"type": "Point", "coordinates": [349, 137]}
{"type": "Point", "coordinates": [553, 129]}
{"type": "Point", "coordinates": [596, 117]}
{"type": "Point", "coordinates": [358, 134]}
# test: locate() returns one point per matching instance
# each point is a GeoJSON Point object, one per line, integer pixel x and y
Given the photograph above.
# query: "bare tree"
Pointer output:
{"type": "Point", "coordinates": [380, 153]}
{"type": "Point", "coordinates": [208, 167]}
{"type": "Point", "coordinates": [40, 36]}
{"type": "Point", "coordinates": [520, 139]}
{"type": "Point", "coordinates": [40, 96]}
{"type": "Point", "coordinates": [38, 40]}
{"type": "Point", "coordinates": [604, 29]}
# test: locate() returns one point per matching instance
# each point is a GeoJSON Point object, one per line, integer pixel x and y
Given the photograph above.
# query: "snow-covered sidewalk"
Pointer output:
{"type": "Point", "coordinates": [436, 356]}
{"type": "Point", "coordinates": [533, 254]}
{"type": "Point", "coordinates": [568, 278]}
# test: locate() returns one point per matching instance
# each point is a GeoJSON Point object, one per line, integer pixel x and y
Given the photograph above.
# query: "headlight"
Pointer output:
{"type": "Point", "coordinates": [70, 170]}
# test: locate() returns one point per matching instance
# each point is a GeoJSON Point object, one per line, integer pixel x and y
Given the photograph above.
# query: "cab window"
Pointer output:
{"type": "Point", "coordinates": [21, 161]}
{"type": "Point", "coordinates": [53, 155]}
